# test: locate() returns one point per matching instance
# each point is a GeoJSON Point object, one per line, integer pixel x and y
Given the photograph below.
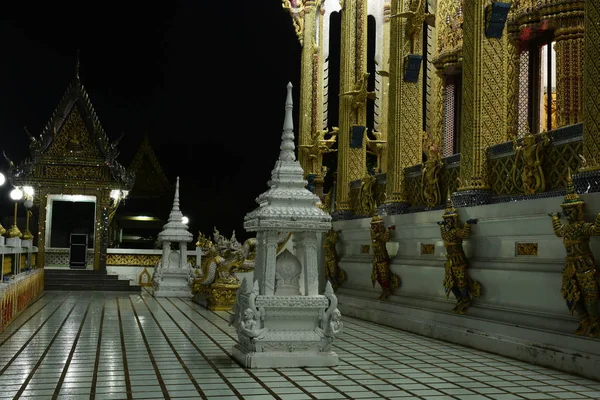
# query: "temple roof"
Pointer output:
{"type": "Point", "coordinates": [287, 205]}
{"type": "Point", "coordinates": [73, 135]}
{"type": "Point", "coordinates": [150, 177]}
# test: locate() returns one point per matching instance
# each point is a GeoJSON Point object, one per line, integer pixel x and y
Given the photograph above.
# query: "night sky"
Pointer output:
{"type": "Point", "coordinates": [206, 80]}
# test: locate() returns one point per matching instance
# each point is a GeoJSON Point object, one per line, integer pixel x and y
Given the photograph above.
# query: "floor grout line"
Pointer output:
{"type": "Point", "coordinates": [98, 349]}
{"type": "Point", "coordinates": [124, 353]}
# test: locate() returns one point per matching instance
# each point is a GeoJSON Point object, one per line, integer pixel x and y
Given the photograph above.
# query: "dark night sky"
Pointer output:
{"type": "Point", "coordinates": [206, 80]}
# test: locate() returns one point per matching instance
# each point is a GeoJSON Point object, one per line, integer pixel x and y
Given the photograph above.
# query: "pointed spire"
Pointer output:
{"type": "Point", "coordinates": [287, 138]}
{"type": "Point", "coordinates": [450, 210]}
{"type": "Point", "coordinates": [176, 200]}
{"type": "Point", "coordinates": [571, 195]}
{"type": "Point", "coordinates": [77, 66]}
{"type": "Point", "coordinates": [175, 230]}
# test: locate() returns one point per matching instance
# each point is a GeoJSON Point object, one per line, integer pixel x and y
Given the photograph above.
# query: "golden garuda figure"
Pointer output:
{"type": "Point", "coordinates": [530, 155]}
{"type": "Point", "coordinates": [359, 93]}
{"type": "Point", "coordinates": [456, 279]}
{"type": "Point", "coordinates": [333, 272]}
{"type": "Point", "coordinates": [381, 272]}
{"type": "Point", "coordinates": [581, 279]}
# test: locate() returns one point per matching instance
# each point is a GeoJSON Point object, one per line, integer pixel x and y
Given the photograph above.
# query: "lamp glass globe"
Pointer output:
{"type": "Point", "coordinates": [2, 179]}
{"type": "Point", "coordinates": [16, 194]}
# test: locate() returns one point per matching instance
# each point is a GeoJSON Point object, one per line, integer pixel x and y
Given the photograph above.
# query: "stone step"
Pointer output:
{"type": "Point", "coordinates": [92, 280]}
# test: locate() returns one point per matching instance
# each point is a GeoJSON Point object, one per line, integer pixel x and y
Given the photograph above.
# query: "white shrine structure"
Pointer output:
{"type": "Point", "coordinates": [281, 319]}
{"type": "Point", "coordinates": [172, 272]}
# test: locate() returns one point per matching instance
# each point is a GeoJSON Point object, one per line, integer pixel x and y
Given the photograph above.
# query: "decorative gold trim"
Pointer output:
{"type": "Point", "coordinates": [365, 248]}
{"type": "Point", "coordinates": [526, 249]}
{"type": "Point", "coordinates": [427, 249]}
{"type": "Point", "coordinates": [148, 278]}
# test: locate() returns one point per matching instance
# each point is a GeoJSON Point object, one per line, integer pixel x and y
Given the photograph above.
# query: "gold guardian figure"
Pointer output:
{"type": "Point", "coordinates": [580, 278]}
{"type": "Point", "coordinates": [381, 272]}
{"type": "Point", "coordinates": [456, 279]}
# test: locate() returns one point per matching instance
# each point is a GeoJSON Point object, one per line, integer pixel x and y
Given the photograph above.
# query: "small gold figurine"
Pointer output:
{"type": "Point", "coordinates": [456, 279]}
{"type": "Point", "coordinates": [333, 272]}
{"type": "Point", "coordinates": [430, 187]}
{"type": "Point", "coordinates": [581, 278]}
{"type": "Point", "coordinates": [317, 147]}
{"type": "Point", "coordinates": [415, 18]}
{"type": "Point", "coordinates": [531, 155]}
{"type": "Point", "coordinates": [359, 94]}
{"type": "Point", "coordinates": [381, 272]}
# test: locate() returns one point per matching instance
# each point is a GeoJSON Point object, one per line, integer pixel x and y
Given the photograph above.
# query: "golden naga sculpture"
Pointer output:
{"type": "Point", "coordinates": [415, 18]}
{"type": "Point", "coordinates": [333, 272]}
{"type": "Point", "coordinates": [581, 278]}
{"type": "Point", "coordinates": [530, 155]}
{"type": "Point", "coordinates": [430, 177]}
{"type": "Point", "coordinates": [381, 272]}
{"type": "Point", "coordinates": [317, 147]}
{"type": "Point", "coordinates": [456, 279]}
{"type": "Point", "coordinates": [2, 230]}
{"type": "Point", "coordinates": [359, 94]}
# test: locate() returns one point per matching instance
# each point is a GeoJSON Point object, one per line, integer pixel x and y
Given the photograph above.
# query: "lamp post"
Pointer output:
{"type": "Point", "coordinates": [14, 232]}
{"type": "Point", "coordinates": [2, 229]}
{"type": "Point", "coordinates": [28, 203]}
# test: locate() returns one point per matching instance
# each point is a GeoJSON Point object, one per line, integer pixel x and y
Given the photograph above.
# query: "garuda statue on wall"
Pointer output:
{"type": "Point", "coordinates": [581, 278]}
{"type": "Point", "coordinates": [432, 168]}
{"type": "Point", "coordinates": [381, 272]}
{"type": "Point", "coordinates": [456, 279]}
{"type": "Point", "coordinates": [333, 272]}
{"type": "Point", "coordinates": [529, 157]}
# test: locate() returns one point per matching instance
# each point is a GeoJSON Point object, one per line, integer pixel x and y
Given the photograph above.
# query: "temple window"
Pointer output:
{"type": "Point", "coordinates": [547, 87]}
{"type": "Point", "coordinates": [452, 107]}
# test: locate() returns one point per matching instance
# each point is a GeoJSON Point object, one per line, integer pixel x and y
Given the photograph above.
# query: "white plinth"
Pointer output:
{"type": "Point", "coordinates": [283, 359]}
{"type": "Point", "coordinates": [13, 242]}
{"type": "Point", "coordinates": [27, 243]}
{"type": "Point", "coordinates": [173, 283]}
{"type": "Point", "coordinates": [2, 239]}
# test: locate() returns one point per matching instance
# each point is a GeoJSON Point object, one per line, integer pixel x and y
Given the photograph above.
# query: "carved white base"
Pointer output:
{"type": "Point", "coordinates": [27, 243]}
{"type": "Point", "coordinates": [13, 242]}
{"type": "Point", "coordinates": [291, 332]}
{"type": "Point", "coordinates": [283, 359]}
{"type": "Point", "coordinates": [173, 283]}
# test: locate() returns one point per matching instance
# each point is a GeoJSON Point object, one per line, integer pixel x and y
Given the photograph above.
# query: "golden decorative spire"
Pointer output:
{"type": "Point", "coordinates": [571, 196]}
{"type": "Point", "coordinates": [450, 210]}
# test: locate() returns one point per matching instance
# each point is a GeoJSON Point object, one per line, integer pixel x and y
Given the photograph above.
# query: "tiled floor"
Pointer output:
{"type": "Point", "coordinates": [94, 345]}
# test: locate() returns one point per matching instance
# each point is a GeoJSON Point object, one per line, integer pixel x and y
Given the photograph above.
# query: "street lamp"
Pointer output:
{"type": "Point", "coordinates": [185, 220]}
{"type": "Point", "coordinates": [14, 232]}
{"type": "Point", "coordinates": [2, 182]}
{"type": "Point", "coordinates": [28, 203]}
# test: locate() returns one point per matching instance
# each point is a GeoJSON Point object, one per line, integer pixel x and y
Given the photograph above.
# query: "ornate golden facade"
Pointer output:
{"type": "Point", "coordinates": [74, 156]}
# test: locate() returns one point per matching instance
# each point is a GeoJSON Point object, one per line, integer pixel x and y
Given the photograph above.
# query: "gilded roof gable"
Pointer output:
{"type": "Point", "coordinates": [150, 177]}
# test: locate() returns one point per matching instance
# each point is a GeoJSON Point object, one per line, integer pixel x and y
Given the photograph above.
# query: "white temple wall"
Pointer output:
{"type": "Point", "coordinates": [520, 313]}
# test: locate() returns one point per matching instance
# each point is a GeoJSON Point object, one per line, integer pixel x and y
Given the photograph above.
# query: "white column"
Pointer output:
{"type": "Point", "coordinates": [267, 286]}
{"type": "Point", "coordinates": [182, 255]}
{"type": "Point", "coordinates": [306, 251]}
{"type": "Point", "coordinates": [165, 254]}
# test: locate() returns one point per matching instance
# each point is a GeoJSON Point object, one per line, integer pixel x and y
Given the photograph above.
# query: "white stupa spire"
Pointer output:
{"type": "Point", "coordinates": [288, 204]}
{"type": "Point", "coordinates": [287, 138]}
{"type": "Point", "coordinates": [175, 230]}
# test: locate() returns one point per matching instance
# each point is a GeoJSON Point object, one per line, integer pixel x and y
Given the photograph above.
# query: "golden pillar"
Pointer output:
{"type": "Point", "coordinates": [591, 85]}
{"type": "Point", "coordinates": [568, 36]}
{"type": "Point", "coordinates": [351, 163]}
{"type": "Point", "coordinates": [383, 127]}
{"type": "Point", "coordinates": [512, 71]}
{"type": "Point", "coordinates": [484, 103]}
{"type": "Point", "coordinates": [405, 119]}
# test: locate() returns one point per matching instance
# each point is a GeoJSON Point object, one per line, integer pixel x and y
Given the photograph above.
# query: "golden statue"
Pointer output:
{"type": "Point", "coordinates": [365, 200]}
{"type": "Point", "coordinates": [333, 272]}
{"type": "Point", "coordinates": [415, 18]}
{"type": "Point", "coordinates": [456, 279]}
{"type": "Point", "coordinates": [74, 143]}
{"type": "Point", "coordinates": [381, 272]}
{"type": "Point", "coordinates": [430, 177]}
{"type": "Point", "coordinates": [2, 230]}
{"type": "Point", "coordinates": [530, 155]}
{"type": "Point", "coordinates": [581, 278]}
{"type": "Point", "coordinates": [359, 94]}
{"type": "Point", "coordinates": [376, 147]}
{"type": "Point", "coordinates": [317, 147]}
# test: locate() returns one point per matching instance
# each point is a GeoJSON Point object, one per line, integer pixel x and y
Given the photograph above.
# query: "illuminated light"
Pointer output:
{"type": "Point", "coordinates": [115, 194]}
{"type": "Point", "coordinates": [185, 220]}
{"type": "Point", "coordinates": [28, 190]}
{"type": "Point", "coordinates": [16, 194]}
{"type": "Point", "coordinates": [2, 179]}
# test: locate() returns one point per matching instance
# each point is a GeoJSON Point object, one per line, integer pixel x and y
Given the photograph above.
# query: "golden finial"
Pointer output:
{"type": "Point", "coordinates": [571, 195]}
{"type": "Point", "coordinates": [376, 220]}
{"type": "Point", "coordinates": [450, 210]}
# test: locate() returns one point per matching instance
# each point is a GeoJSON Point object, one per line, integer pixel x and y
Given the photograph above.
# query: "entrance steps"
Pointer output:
{"type": "Point", "coordinates": [85, 279]}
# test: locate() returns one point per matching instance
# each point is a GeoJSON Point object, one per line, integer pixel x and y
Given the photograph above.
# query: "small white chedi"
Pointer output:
{"type": "Point", "coordinates": [172, 272]}
{"type": "Point", "coordinates": [281, 319]}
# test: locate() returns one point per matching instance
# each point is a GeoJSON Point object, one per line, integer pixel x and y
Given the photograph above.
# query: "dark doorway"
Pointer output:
{"type": "Point", "coordinates": [71, 217]}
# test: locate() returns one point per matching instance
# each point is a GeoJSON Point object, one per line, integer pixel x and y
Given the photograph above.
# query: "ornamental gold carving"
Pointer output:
{"type": "Point", "coordinates": [148, 260]}
{"type": "Point", "coordinates": [430, 176]}
{"type": "Point", "coordinates": [529, 158]}
{"type": "Point", "coordinates": [427, 249]}
{"type": "Point", "coordinates": [333, 272]}
{"type": "Point", "coordinates": [527, 249]}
